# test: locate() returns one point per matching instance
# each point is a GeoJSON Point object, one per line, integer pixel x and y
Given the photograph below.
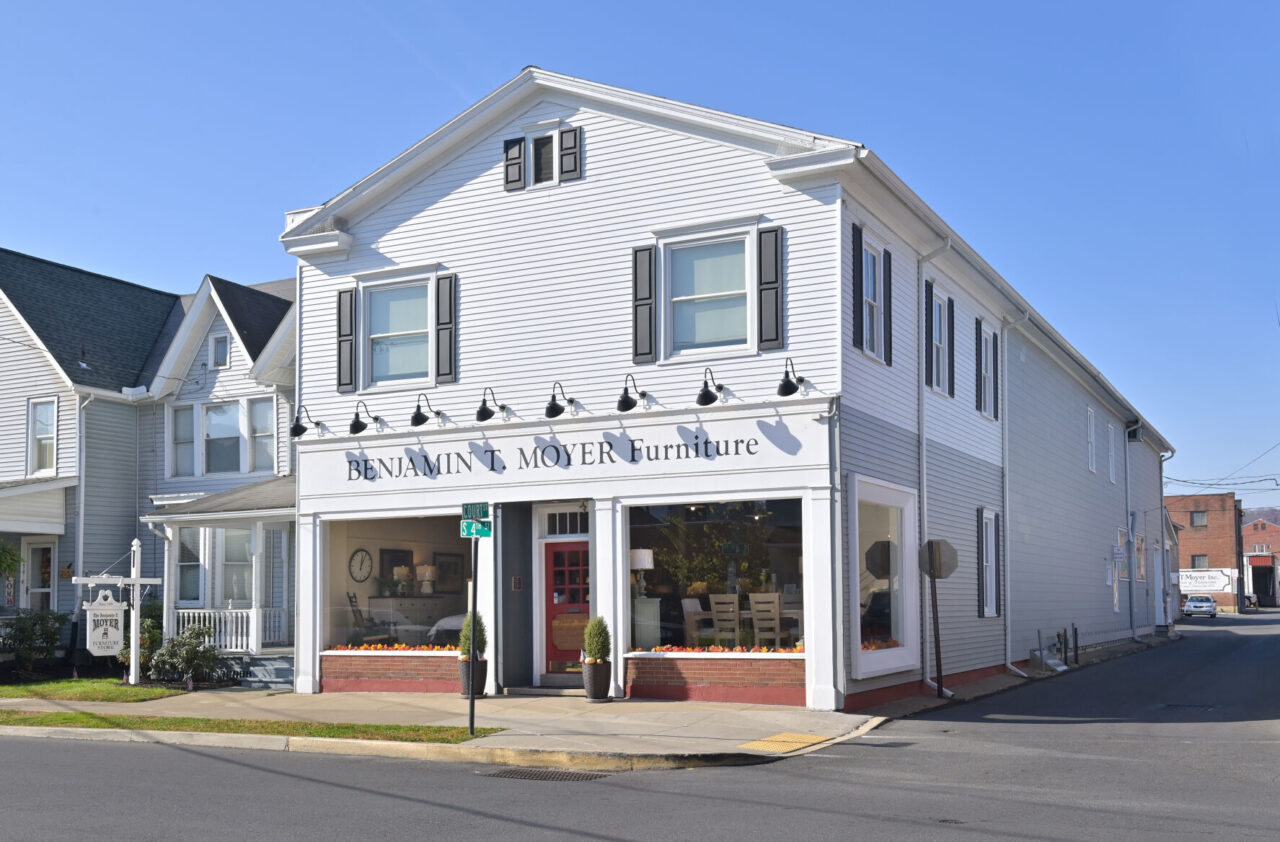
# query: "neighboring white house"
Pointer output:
{"type": "Point", "coordinates": [717, 379]}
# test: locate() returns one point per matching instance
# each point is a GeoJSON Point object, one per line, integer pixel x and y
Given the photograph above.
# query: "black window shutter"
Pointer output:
{"type": "Point", "coordinates": [570, 154]}
{"type": "Point", "coordinates": [447, 329]}
{"type": "Point", "coordinates": [347, 340]}
{"type": "Point", "coordinates": [928, 333]}
{"type": "Point", "coordinates": [951, 347]}
{"type": "Point", "coordinates": [513, 163]}
{"type": "Point", "coordinates": [995, 375]}
{"type": "Point", "coordinates": [977, 367]}
{"type": "Point", "coordinates": [643, 306]}
{"type": "Point", "coordinates": [857, 287]}
{"type": "Point", "coordinates": [996, 551]}
{"type": "Point", "coordinates": [982, 572]}
{"type": "Point", "coordinates": [769, 258]}
{"type": "Point", "coordinates": [888, 308]}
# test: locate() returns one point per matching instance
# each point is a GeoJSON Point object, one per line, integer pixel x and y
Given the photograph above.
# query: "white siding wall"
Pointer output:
{"type": "Point", "coordinates": [544, 275]}
{"type": "Point", "coordinates": [29, 373]}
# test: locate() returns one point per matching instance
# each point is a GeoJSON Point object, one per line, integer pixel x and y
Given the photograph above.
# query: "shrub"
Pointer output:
{"type": "Point", "coordinates": [10, 560]}
{"type": "Point", "coordinates": [596, 640]}
{"type": "Point", "coordinates": [32, 634]}
{"type": "Point", "coordinates": [188, 655]}
{"type": "Point", "coordinates": [464, 639]}
{"type": "Point", "coordinates": [150, 634]}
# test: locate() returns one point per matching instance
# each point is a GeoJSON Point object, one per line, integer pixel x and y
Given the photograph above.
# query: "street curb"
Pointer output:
{"type": "Point", "coordinates": [438, 752]}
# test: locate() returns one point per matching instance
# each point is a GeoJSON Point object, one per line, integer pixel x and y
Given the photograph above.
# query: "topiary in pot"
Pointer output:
{"type": "Point", "coordinates": [478, 672]}
{"type": "Point", "coordinates": [596, 669]}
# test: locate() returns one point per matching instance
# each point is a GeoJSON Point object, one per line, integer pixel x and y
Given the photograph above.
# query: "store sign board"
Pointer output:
{"type": "Point", "coordinates": [1206, 581]}
{"type": "Point", "coordinates": [104, 630]}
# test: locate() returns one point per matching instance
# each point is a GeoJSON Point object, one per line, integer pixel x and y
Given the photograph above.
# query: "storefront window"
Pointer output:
{"type": "Point", "coordinates": [723, 575]}
{"type": "Point", "coordinates": [398, 581]}
{"type": "Point", "coordinates": [880, 575]}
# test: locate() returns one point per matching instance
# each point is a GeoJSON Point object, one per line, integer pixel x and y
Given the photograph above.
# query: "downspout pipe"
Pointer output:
{"type": "Point", "coordinates": [1131, 520]}
{"type": "Point", "coordinates": [1004, 487]}
{"type": "Point", "coordinates": [922, 456]}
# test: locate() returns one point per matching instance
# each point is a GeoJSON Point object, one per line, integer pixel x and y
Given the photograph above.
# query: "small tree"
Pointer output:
{"type": "Point", "coordinates": [188, 655]}
{"type": "Point", "coordinates": [150, 634]}
{"type": "Point", "coordinates": [595, 640]}
{"type": "Point", "coordinates": [464, 639]}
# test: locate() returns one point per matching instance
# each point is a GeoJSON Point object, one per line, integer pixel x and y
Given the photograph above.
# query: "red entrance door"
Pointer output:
{"type": "Point", "coordinates": [568, 578]}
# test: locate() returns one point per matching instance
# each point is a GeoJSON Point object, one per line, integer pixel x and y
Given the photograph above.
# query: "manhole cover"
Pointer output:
{"type": "Point", "coordinates": [1190, 708]}
{"type": "Point", "coordinates": [545, 775]}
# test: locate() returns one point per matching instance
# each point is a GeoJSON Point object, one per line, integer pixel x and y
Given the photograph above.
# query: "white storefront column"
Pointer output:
{"type": "Point", "coordinates": [310, 549]}
{"type": "Point", "coordinates": [610, 595]}
{"type": "Point", "coordinates": [171, 583]}
{"type": "Point", "coordinates": [257, 554]}
{"type": "Point", "coordinates": [821, 588]}
{"type": "Point", "coordinates": [487, 599]}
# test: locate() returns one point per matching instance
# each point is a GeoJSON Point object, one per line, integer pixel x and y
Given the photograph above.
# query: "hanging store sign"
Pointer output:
{"type": "Point", "coordinates": [104, 625]}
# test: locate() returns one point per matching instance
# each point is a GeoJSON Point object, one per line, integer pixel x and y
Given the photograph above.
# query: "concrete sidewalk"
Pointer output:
{"type": "Point", "coordinates": [540, 731]}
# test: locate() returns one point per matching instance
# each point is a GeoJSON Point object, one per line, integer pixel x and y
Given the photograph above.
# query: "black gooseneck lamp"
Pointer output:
{"type": "Point", "coordinates": [554, 408]}
{"type": "Point", "coordinates": [357, 426]}
{"type": "Point", "coordinates": [297, 428]}
{"type": "Point", "coordinates": [789, 387]}
{"type": "Point", "coordinates": [418, 418]}
{"type": "Point", "coordinates": [706, 397]}
{"type": "Point", "coordinates": [626, 403]}
{"type": "Point", "coordinates": [485, 412]}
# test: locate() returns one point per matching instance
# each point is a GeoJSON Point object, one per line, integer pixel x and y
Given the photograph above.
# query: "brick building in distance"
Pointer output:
{"type": "Point", "coordinates": [1261, 539]}
{"type": "Point", "coordinates": [1211, 545]}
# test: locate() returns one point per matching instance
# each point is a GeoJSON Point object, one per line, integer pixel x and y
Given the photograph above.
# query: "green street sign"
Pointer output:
{"type": "Point", "coordinates": [475, 511]}
{"type": "Point", "coordinates": [477, 529]}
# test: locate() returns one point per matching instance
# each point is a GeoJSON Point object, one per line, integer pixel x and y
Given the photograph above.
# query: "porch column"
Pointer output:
{"type": "Point", "coordinates": [487, 597]}
{"type": "Point", "coordinates": [610, 584]}
{"type": "Point", "coordinates": [169, 593]}
{"type": "Point", "coordinates": [821, 596]}
{"type": "Point", "coordinates": [309, 548]}
{"type": "Point", "coordinates": [258, 555]}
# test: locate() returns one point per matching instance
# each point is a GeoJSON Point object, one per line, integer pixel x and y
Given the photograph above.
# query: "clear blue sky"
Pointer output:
{"type": "Point", "coordinates": [1119, 163]}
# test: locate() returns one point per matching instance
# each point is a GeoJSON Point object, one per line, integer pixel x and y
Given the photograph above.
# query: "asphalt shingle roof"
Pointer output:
{"type": "Point", "coordinates": [99, 329]}
{"type": "Point", "coordinates": [268, 495]}
{"type": "Point", "coordinates": [254, 314]}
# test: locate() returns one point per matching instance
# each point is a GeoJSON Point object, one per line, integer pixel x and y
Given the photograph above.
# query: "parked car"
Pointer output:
{"type": "Point", "coordinates": [1200, 604]}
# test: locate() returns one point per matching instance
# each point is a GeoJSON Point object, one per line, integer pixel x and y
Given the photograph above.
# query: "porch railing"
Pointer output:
{"type": "Point", "coordinates": [230, 626]}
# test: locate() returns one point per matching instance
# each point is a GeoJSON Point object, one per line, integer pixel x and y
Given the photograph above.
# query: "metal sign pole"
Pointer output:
{"type": "Point", "coordinates": [471, 664]}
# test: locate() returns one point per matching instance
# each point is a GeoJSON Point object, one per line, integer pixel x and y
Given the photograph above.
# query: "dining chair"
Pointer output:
{"type": "Point", "coordinates": [766, 616]}
{"type": "Point", "coordinates": [724, 617]}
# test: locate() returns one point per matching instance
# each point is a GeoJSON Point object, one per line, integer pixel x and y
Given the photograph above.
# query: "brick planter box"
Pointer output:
{"type": "Point", "coordinates": [749, 678]}
{"type": "Point", "coordinates": [397, 672]}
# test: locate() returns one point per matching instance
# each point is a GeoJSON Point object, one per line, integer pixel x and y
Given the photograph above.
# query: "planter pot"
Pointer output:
{"type": "Point", "coordinates": [478, 677]}
{"type": "Point", "coordinates": [595, 680]}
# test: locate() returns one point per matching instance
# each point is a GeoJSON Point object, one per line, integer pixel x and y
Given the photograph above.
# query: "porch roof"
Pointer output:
{"type": "Point", "coordinates": [272, 499]}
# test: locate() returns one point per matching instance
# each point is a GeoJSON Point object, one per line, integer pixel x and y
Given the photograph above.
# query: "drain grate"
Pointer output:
{"type": "Point", "coordinates": [545, 775]}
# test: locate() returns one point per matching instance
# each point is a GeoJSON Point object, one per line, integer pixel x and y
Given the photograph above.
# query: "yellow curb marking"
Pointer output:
{"type": "Point", "coordinates": [783, 743]}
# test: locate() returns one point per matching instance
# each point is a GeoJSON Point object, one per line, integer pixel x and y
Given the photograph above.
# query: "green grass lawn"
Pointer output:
{"type": "Point", "coordinates": [287, 728]}
{"type": "Point", "coordinates": [85, 690]}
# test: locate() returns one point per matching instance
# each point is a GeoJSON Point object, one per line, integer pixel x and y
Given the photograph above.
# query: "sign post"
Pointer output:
{"type": "Point", "coordinates": [135, 581]}
{"type": "Point", "coordinates": [474, 526]}
{"type": "Point", "coordinates": [938, 559]}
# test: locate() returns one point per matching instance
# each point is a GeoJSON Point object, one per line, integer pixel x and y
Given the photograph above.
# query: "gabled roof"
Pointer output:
{"type": "Point", "coordinates": [99, 330]}
{"type": "Point", "coordinates": [254, 315]}
{"type": "Point", "coordinates": [310, 230]}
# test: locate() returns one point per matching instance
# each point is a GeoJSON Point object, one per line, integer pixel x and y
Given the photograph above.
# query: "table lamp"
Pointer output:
{"type": "Point", "coordinates": [641, 560]}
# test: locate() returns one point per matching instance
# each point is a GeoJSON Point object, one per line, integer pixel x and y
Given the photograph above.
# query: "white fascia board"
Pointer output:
{"type": "Point", "coordinates": [35, 340]}
{"type": "Point", "coordinates": [174, 499]}
{"type": "Point", "coordinates": [324, 244]}
{"type": "Point", "coordinates": [185, 343]}
{"type": "Point", "coordinates": [921, 209]}
{"type": "Point", "coordinates": [530, 83]}
{"type": "Point", "coordinates": [35, 487]}
{"type": "Point", "coordinates": [221, 517]}
{"type": "Point", "coordinates": [98, 393]}
{"type": "Point", "coordinates": [278, 353]}
{"type": "Point", "coordinates": [812, 164]}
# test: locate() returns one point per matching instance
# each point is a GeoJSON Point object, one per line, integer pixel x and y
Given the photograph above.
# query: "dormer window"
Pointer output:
{"type": "Point", "coordinates": [547, 154]}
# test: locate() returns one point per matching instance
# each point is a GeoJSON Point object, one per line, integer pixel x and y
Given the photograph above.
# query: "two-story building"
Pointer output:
{"type": "Point", "coordinates": [1212, 546]}
{"type": "Point", "coordinates": [718, 381]}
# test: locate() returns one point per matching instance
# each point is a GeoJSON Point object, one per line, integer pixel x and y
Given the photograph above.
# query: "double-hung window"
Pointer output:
{"type": "Point", "coordinates": [1093, 459]}
{"type": "Point", "coordinates": [42, 436]}
{"type": "Point", "coordinates": [990, 556]}
{"type": "Point", "coordinates": [872, 304]}
{"type": "Point", "coordinates": [221, 438]}
{"type": "Point", "coordinates": [219, 351]}
{"type": "Point", "coordinates": [707, 284]}
{"type": "Point", "coordinates": [262, 435]}
{"type": "Point", "coordinates": [986, 374]}
{"type": "Point", "coordinates": [1199, 518]}
{"type": "Point", "coordinates": [190, 586]}
{"type": "Point", "coordinates": [183, 421]}
{"type": "Point", "coordinates": [399, 332]}
{"type": "Point", "coordinates": [1111, 451]}
{"type": "Point", "coordinates": [938, 344]}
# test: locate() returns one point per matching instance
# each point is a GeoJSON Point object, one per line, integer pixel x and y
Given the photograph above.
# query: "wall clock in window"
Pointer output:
{"type": "Point", "coordinates": [360, 565]}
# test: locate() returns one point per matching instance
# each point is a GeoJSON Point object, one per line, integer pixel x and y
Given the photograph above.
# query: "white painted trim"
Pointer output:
{"type": "Point", "coordinates": [907, 656]}
{"type": "Point", "coordinates": [538, 583]}
{"type": "Point", "coordinates": [213, 348]}
{"type": "Point", "coordinates": [42, 484]}
{"type": "Point", "coordinates": [265, 515]}
{"type": "Point", "coordinates": [175, 552]}
{"type": "Point", "coordinates": [542, 127]}
{"type": "Point", "coordinates": [747, 233]}
{"type": "Point", "coordinates": [36, 527]}
{"type": "Point", "coordinates": [324, 244]}
{"type": "Point", "coordinates": [386, 282]}
{"type": "Point", "coordinates": [704, 225]}
{"type": "Point", "coordinates": [279, 352]}
{"type": "Point", "coordinates": [27, 544]}
{"type": "Point", "coordinates": [30, 437]}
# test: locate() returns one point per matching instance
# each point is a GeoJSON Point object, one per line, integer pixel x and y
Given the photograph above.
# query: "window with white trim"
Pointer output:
{"type": "Point", "coordinates": [236, 570]}
{"type": "Point", "coordinates": [235, 437]}
{"type": "Point", "coordinates": [1093, 460]}
{"type": "Point", "coordinates": [190, 584]}
{"type": "Point", "coordinates": [398, 331]}
{"type": "Point", "coordinates": [872, 303]}
{"type": "Point", "coordinates": [987, 392]}
{"type": "Point", "coordinates": [990, 555]}
{"type": "Point", "coordinates": [1111, 451]}
{"type": "Point", "coordinates": [939, 342]}
{"type": "Point", "coordinates": [42, 436]}
{"type": "Point", "coordinates": [183, 431]}
{"type": "Point", "coordinates": [262, 434]}
{"type": "Point", "coordinates": [221, 438]}
{"type": "Point", "coordinates": [219, 350]}
{"type": "Point", "coordinates": [707, 285]}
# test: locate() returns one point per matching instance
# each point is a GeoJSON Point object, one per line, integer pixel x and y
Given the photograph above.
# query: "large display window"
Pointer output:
{"type": "Point", "coordinates": [717, 576]}
{"type": "Point", "coordinates": [884, 577]}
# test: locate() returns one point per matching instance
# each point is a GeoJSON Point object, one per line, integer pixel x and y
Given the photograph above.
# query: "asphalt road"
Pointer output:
{"type": "Point", "coordinates": [1179, 742]}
